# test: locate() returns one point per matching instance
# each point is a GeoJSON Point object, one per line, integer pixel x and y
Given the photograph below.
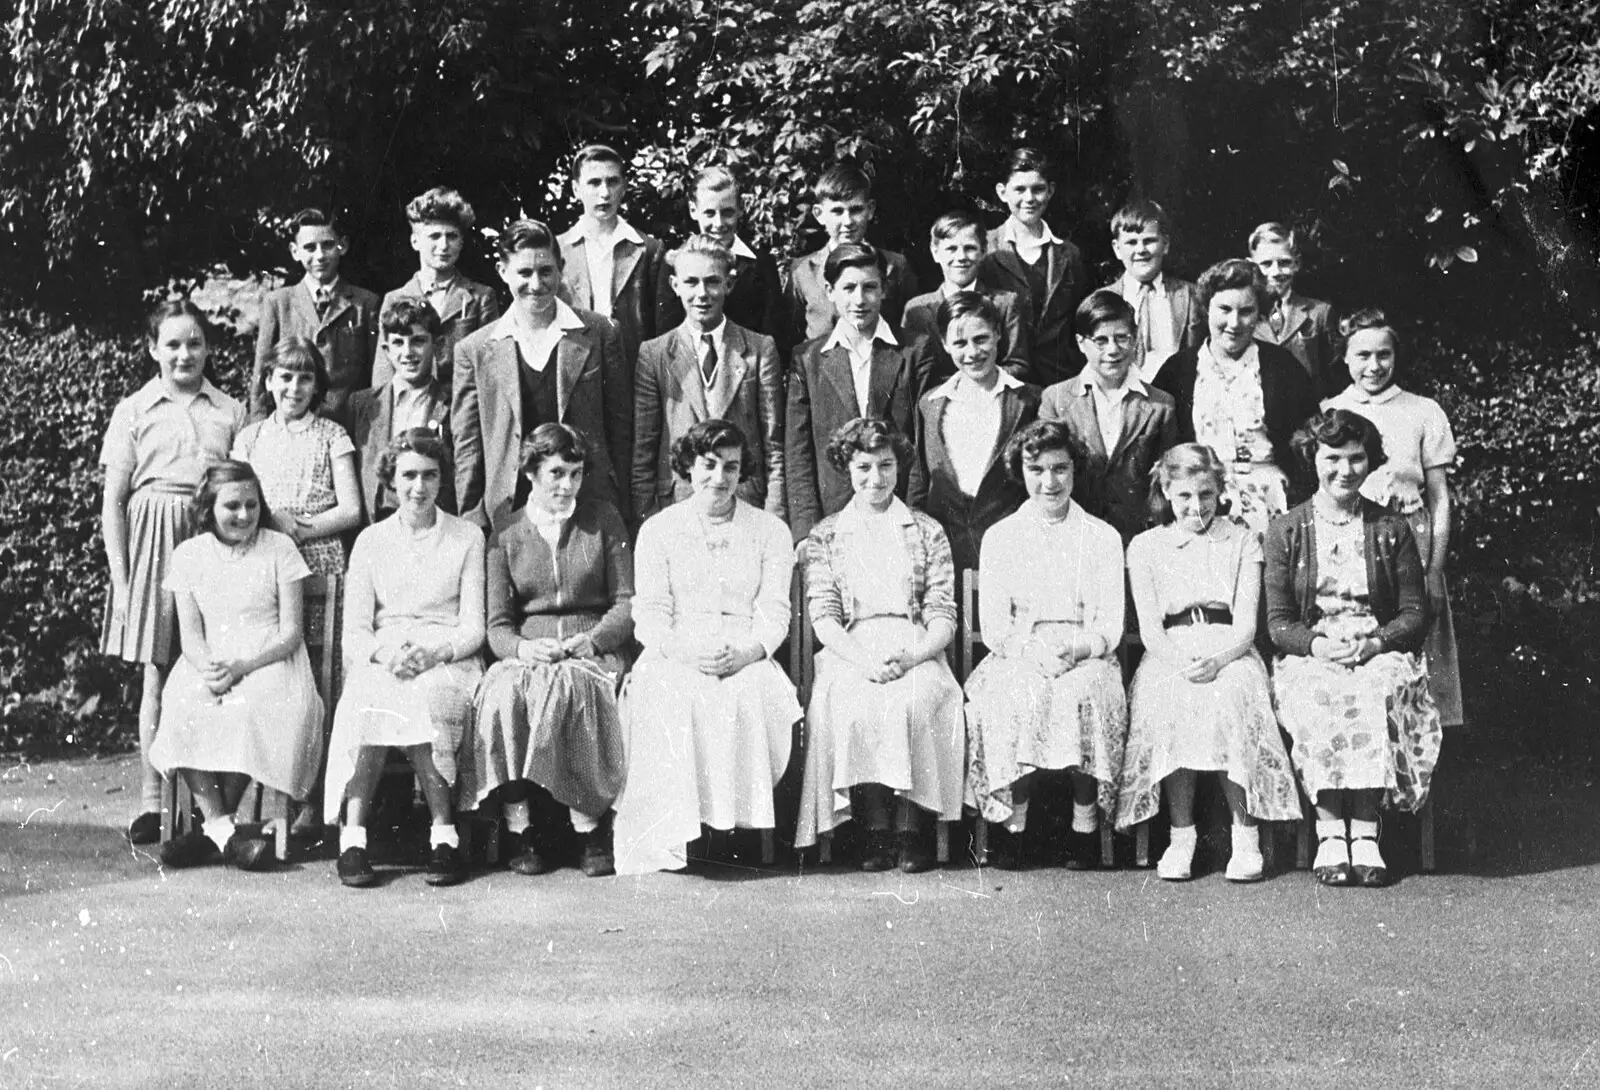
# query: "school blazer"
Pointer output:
{"type": "Point", "coordinates": [1115, 484]}
{"type": "Point", "coordinates": [1395, 586]}
{"type": "Point", "coordinates": [1015, 330]}
{"type": "Point", "coordinates": [468, 307]}
{"type": "Point", "coordinates": [670, 397]}
{"type": "Point", "coordinates": [1188, 316]}
{"type": "Point", "coordinates": [368, 417]}
{"type": "Point", "coordinates": [811, 312]}
{"type": "Point", "coordinates": [593, 396]}
{"type": "Point", "coordinates": [755, 301]}
{"type": "Point", "coordinates": [1055, 348]}
{"type": "Point", "coordinates": [347, 338]}
{"type": "Point", "coordinates": [967, 518]}
{"type": "Point", "coordinates": [821, 399]}
{"type": "Point", "coordinates": [1308, 329]}
{"type": "Point", "coordinates": [634, 276]}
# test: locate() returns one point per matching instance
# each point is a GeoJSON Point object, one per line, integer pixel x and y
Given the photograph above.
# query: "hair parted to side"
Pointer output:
{"type": "Point", "coordinates": [705, 438]}
{"type": "Point", "coordinates": [1042, 437]}
{"type": "Point", "coordinates": [1337, 428]}
{"type": "Point", "coordinates": [527, 234]}
{"type": "Point", "coordinates": [313, 217]}
{"type": "Point", "coordinates": [841, 182]}
{"type": "Point", "coordinates": [866, 435]}
{"type": "Point", "coordinates": [1276, 233]}
{"type": "Point", "coordinates": [402, 314]}
{"type": "Point", "coordinates": [204, 504]}
{"type": "Point", "coordinates": [953, 223]}
{"type": "Point", "coordinates": [597, 153]}
{"type": "Point", "coordinates": [714, 178]}
{"type": "Point", "coordinates": [1028, 160]}
{"type": "Point", "coordinates": [1139, 213]}
{"type": "Point", "coordinates": [706, 246]}
{"type": "Point", "coordinates": [966, 304]}
{"type": "Point", "coordinates": [1100, 307]}
{"type": "Point", "coordinates": [553, 440]}
{"type": "Point", "coordinates": [1233, 274]}
{"type": "Point", "coordinates": [852, 255]}
{"type": "Point", "coordinates": [441, 205]}
{"type": "Point", "coordinates": [1179, 464]}
{"type": "Point", "coordinates": [175, 308]}
{"type": "Point", "coordinates": [299, 356]}
{"type": "Point", "coordinates": [424, 441]}
{"type": "Point", "coordinates": [1366, 318]}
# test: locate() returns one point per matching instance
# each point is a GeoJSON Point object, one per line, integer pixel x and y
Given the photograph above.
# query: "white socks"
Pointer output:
{"type": "Point", "coordinates": [1245, 864]}
{"type": "Point", "coordinates": [443, 834]}
{"type": "Point", "coordinates": [1364, 845]}
{"type": "Point", "coordinates": [218, 830]}
{"type": "Point", "coordinates": [352, 836]}
{"type": "Point", "coordinates": [582, 823]}
{"type": "Point", "coordinates": [1333, 848]}
{"type": "Point", "coordinates": [517, 817]}
{"type": "Point", "coordinates": [1085, 817]}
{"type": "Point", "coordinates": [1177, 861]}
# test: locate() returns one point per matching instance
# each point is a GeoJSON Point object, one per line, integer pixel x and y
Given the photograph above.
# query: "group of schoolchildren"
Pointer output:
{"type": "Point", "coordinates": [1172, 411]}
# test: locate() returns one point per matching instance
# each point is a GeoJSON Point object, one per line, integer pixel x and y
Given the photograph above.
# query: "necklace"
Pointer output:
{"type": "Point", "coordinates": [1334, 516]}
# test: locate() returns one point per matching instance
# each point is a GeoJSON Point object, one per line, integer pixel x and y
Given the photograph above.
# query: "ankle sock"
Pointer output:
{"type": "Point", "coordinates": [352, 836]}
{"type": "Point", "coordinates": [443, 834]}
{"type": "Point", "coordinates": [1327, 827]}
{"type": "Point", "coordinates": [1246, 838]}
{"type": "Point", "coordinates": [1183, 836]}
{"type": "Point", "coordinates": [1085, 817]}
{"type": "Point", "coordinates": [517, 817]}
{"type": "Point", "coordinates": [581, 823]}
{"type": "Point", "coordinates": [1363, 829]}
{"type": "Point", "coordinates": [219, 830]}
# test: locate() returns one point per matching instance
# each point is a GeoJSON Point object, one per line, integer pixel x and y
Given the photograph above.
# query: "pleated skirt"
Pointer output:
{"type": "Point", "coordinates": [158, 520]}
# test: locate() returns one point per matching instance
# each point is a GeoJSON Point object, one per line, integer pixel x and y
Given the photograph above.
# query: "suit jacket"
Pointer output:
{"type": "Point", "coordinates": [822, 398]}
{"type": "Point", "coordinates": [1287, 395]}
{"type": "Point", "coordinates": [368, 417]}
{"type": "Point", "coordinates": [967, 518]}
{"type": "Point", "coordinates": [1188, 316]}
{"type": "Point", "coordinates": [347, 337]}
{"type": "Point", "coordinates": [468, 307]}
{"type": "Point", "coordinates": [670, 397]}
{"type": "Point", "coordinates": [1308, 329]}
{"type": "Point", "coordinates": [1055, 347]}
{"type": "Point", "coordinates": [811, 312]}
{"type": "Point", "coordinates": [593, 396]}
{"type": "Point", "coordinates": [920, 321]}
{"type": "Point", "coordinates": [634, 276]}
{"type": "Point", "coordinates": [755, 301]}
{"type": "Point", "coordinates": [1115, 484]}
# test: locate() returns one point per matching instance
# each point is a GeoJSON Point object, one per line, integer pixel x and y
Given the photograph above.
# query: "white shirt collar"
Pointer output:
{"type": "Point", "coordinates": [840, 339]}
{"type": "Point", "coordinates": [718, 335]}
{"type": "Point", "coordinates": [959, 382]}
{"type": "Point", "coordinates": [946, 291]}
{"type": "Point", "coordinates": [1217, 531]}
{"type": "Point", "coordinates": [1133, 384]}
{"type": "Point", "coordinates": [854, 516]}
{"type": "Point", "coordinates": [625, 232]}
{"type": "Point", "coordinates": [155, 391]}
{"type": "Point", "coordinates": [1382, 397]}
{"type": "Point", "coordinates": [1131, 285]}
{"type": "Point", "coordinates": [740, 249]}
{"type": "Point", "coordinates": [507, 325]}
{"type": "Point", "coordinates": [1012, 234]}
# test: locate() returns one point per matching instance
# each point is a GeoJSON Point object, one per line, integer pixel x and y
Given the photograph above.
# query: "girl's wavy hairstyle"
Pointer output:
{"type": "Point", "coordinates": [223, 473]}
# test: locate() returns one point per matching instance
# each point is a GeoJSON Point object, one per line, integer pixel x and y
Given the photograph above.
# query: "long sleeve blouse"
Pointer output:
{"type": "Point", "coordinates": [398, 580]}
{"type": "Point", "coordinates": [1032, 570]}
{"type": "Point", "coordinates": [929, 594]}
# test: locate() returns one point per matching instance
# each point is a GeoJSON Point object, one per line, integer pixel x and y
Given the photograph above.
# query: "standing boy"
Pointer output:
{"type": "Point", "coordinates": [411, 398]}
{"type": "Point", "coordinates": [440, 220]}
{"type": "Point", "coordinates": [708, 367]}
{"type": "Point", "coordinates": [1302, 325]}
{"type": "Point", "coordinates": [844, 206]}
{"type": "Point", "coordinates": [858, 369]}
{"type": "Point", "coordinates": [333, 314]}
{"type": "Point", "coordinates": [958, 245]}
{"type": "Point", "coordinates": [1167, 311]}
{"type": "Point", "coordinates": [1124, 424]}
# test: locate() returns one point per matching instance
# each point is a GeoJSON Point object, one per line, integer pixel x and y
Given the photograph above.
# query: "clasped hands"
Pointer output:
{"type": "Point", "coordinates": [1050, 658]}
{"type": "Point", "coordinates": [411, 660]}
{"type": "Point", "coordinates": [1346, 652]}
{"type": "Point", "coordinates": [221, 675]}
{"type": "Point", "coordinates": [717, 657]}
{"type": "Point", "coordinates": [547, 650]}
{"type": "Point", "coordinates": [891, 667]}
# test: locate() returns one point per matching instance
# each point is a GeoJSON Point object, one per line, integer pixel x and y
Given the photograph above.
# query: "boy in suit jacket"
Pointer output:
{"type": "Point", "coordinates": [333, 314]}
{"type": "Point", "coordinates": [965, 424]}
{"type": "Point", "coordinates": [708, 367]}
{"type": "Point", "coordinates": [755, 291]}
{"type": "Point", "coordinates": [1167, 312]}
{"type": "Point", "coordinates": [609, 267]}
{"type": "Point", "coordinates": [858, 369]}
{"type": "Point", "coordinates": [1125, 425]}
{"type": "Point", "coordinates": [1028, 258]}
{"type": "Point", "coordinates": [844, 206]}
{"type": "Point", "coordinates": [1302, 326]}
{"type": "Point", "coordinates": [440, 220]}
{"type": "Point", "coordinates": [412, 398]}
{"type": "Point", "coordinates": [957, 244]}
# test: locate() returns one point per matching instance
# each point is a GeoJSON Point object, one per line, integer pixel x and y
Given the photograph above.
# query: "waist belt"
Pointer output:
{"type": "Point", "coordinates": [1198, 615]}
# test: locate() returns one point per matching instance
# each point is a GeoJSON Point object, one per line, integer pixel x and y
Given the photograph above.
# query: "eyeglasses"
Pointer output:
{"type": "Point", "coordinates": [1121, 340]}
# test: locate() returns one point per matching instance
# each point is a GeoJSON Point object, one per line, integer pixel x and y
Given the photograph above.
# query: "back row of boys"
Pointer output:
{"type": "Point", "coordinates": [1034, 278]}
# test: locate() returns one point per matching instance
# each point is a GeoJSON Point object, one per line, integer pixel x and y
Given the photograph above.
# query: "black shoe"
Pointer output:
{"type": "Point", "coordinates": [1083, 850]}
{"type": "Point", "coordinates": [193, 849]}
{"type": "Point", "coordinates": [1337, 874]}
{"type": "Point", "coordinates": [354, 870]}
{"type": "Point", "coordinates": [528, 859]}
{"type": "Point", "coordinates": [878, 852]}
{"type": "Point", "coordinates": [596, 859]}
{"type": "Point", "coordinates": [248, 852]}
{"type": "Point", "coordinates": [914, 855]}
{"type": "Point", "coordinates": [444, 866]}
{"type": "Point", "coordinates": [1004, 849]}
{"type": "Point", "coordinates": [145, 829]}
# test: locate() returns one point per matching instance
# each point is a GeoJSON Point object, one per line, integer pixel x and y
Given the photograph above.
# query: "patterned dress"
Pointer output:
{"type": "Point", "coordinates": [1368, 726]}
{"type": "Point", "coordinates": [1226, 724]}
{"type": "Point", "coordinates": [1230, 417]}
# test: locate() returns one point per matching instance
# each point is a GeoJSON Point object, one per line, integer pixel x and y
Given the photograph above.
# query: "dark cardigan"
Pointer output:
{"type": "Point", "coordinates": [1395, 588]}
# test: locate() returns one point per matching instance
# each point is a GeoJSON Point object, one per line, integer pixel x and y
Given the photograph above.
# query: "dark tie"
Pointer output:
{"type": "Point", "coordinates": [708, 362]}
{"type": "Point", "coordinates": [1143, 318]}
{"type": "Point", "coordinates": [324, 301]}
{"type": "Point", "coordinates": [1275, 319]}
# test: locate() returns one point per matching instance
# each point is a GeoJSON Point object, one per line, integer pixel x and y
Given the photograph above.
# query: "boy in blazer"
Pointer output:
{"type": "Point", "coordinates": [412, 398]}
{"type": "Point", "coordinates": [610, 267]}
{"type": "Point", "coordinates": [440, 220]}
{"type": "Point", "coordinates": [1167, 312]}
{"type": "Point", "coordinates": [708, 367]}
{"type": "Point", "coordinates": [1026, 257]}
{"type": "Point", "coordinates": [957, 244]}
{"type": "Point", "coordinates": [1124, 424]}
{"type": "Point", "coordinates": [844, 206]}
{"type": "Point", "coordinates": [859, 369]}
{"type": "Point", "coordinates": [1302, 326]}
{"type": "Point", "coordinates": [330, 312]}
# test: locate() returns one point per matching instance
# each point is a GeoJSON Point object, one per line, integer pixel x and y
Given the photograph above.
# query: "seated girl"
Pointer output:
{"type": "Point", "coordinates": [884, 727]}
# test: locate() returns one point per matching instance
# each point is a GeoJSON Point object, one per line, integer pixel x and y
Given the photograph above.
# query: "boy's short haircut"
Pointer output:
{"type": "Point", "coordinates": [1138, 214]}
{"type": "Point", "coordinates": [1274, 231]}
{"type": "Point", "coordinates": [967, 304]}
{"type": "Point", "coordinates": [441, 205]}
{"type": "Point", "coordinates": [527, 235]}
{"type": "Point", "coordinates": [1025, 160]}
{"type": "Point", "coordinates": [851, 255]}
{"type": "Point", "coordinates": [841, 182]}
{"type": "Point", "coordinates": [702, 244]}
{"type": "Point", "coordinates": [313, 217]}
{"type": "Point", "coordinates": [404, 313]}
{"type": "Point", "coordinates": [1101, 307]}
{"type": "Point", "coordinates": [597, 153]}
{"type": "Point", "coordinates": [714, 179]}
{"type": "Point", "coordinates": [952, 224]}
